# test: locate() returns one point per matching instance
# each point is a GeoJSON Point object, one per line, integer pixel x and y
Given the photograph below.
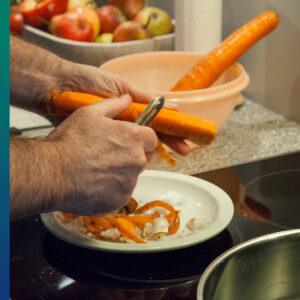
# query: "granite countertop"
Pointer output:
{"type": "Point", "coordinates": [252, 133]}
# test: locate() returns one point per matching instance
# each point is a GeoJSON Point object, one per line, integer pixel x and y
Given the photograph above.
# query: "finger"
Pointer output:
{"type": "Point", "coordinates": [176, 144]}
{"type": "Point", "coordinates": [116, 86]}
{"type": "Point", "coordinates": [171, 106]}
{"type": "Point", "coordinates": [138, 95]}
{"type": "Point", "coordinates": [124, 87]}
{"type": "Point", "coordinates": [150, 139]}
{"type": "Point", "coordinates": [112, 107]}
{"type": "Point", "coordinates": [149, 156]}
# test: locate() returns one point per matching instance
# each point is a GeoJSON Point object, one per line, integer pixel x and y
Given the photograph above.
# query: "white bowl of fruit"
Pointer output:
{"type": "Point", "coordinates": [81, 31]}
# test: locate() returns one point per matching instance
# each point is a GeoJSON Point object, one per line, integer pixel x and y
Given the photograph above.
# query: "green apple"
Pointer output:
{"type": "Point", "coordinates": [157, 21]}
{"type": "Point", "coordinates": [104, 38]}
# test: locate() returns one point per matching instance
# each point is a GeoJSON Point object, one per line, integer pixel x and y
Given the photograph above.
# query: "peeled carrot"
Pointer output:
{"type": "Point", "coordinates": [210, 68]}
{"type": "Point", "coordinates": [167, 121]}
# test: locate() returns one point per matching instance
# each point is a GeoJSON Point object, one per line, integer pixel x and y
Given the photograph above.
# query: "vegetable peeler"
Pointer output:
{"type": "Point", "coordinates": [151, 110]}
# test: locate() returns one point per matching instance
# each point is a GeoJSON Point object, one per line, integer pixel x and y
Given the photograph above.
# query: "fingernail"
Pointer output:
{"type": "Point", "coordinates": [171, 106]}
{"type": "Point", "coordinates": [186, 148]}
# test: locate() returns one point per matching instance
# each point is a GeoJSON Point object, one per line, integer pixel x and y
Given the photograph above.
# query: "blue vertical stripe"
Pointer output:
{"type": "Point", "coordinates": [4, 150]}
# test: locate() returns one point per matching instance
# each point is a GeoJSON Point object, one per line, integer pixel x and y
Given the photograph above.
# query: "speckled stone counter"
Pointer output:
{"type": "Point", "coordinates": [252, 133]}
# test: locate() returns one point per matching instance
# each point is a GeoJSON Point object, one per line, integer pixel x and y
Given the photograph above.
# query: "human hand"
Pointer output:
{"type": "Point", "coordinates": [36, 72]}
{"type": "Point", "coordinates": [99, 158]}
{"type": "Point", "coordinates": [84, 78]}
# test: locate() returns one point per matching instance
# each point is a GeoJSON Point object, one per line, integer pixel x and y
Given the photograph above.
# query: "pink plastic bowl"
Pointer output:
{"type": "Point", "coordinates": [157, 72]}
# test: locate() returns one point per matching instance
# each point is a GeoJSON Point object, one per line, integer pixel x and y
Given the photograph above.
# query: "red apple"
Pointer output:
{"type": "Point", "coordinates": [73, 26]}
{"type": "Point", "coordinates": [38, 13]}
{"type": "Point", "coordinates": [16, 20]}
{"type": "Point", "coordinates": [129, 7]}
{"type": "Point", "coordinates": [110, 18]}
{"type": "Point", "coordinates": [91, 15]}
{"type": "Point", "coordinates": [129, 31]}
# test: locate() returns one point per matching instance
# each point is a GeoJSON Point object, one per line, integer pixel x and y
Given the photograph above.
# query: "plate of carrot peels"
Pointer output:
{"type": "Point", "coordinates": [167, 211]}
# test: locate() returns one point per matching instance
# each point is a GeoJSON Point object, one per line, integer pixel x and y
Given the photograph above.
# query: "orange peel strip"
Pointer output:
{"type": "Point", "coordinates": [174, 221]}
{"type": "Point", "coordinates": [69, 216]}
{"type": "Point", "coordinates": [156, 203]}
{"type": "Point", "coordinates": [140, 220]}
{"type": "Point", "coordinates": [126, 228]}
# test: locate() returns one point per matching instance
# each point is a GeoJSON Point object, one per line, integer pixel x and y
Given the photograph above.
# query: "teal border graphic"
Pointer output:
{"type": "Point", "coordinates": [4, 150]}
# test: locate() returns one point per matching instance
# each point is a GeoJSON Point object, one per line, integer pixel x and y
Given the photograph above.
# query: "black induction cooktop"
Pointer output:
{"type": "Point", "coordinates": [266, 197]}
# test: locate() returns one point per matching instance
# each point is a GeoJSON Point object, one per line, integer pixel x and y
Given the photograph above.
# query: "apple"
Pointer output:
{"type": "Point", "coordinates": [157, 21]}
{"type": "Point", "coordinates": [129, 31]}
{"type": "Point", "coordinates": [16, 20]}
{"type": "Point", "coordinates": [73, 26]}
{"type": "Point", "coordinates": [38, 13]}
{"type": "Point", "coordinates": [92, 17]}
{"type": "Point", "coordinates": [104, 38]}
{"type": "Point", "coordinates": [87, 3]}
{"type": "Point", "coordinates": [129, 7]}
{"type": "Point", "coordinates": [110, 17]}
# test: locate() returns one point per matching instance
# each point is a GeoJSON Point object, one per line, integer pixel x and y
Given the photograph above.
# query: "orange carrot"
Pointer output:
{"type": "Point", "coordinates": [167, 121]}
{"type": "Point", "coordinates": [210, 68]}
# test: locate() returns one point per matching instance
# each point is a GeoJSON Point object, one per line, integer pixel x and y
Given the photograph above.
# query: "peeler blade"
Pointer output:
{"type": "Point", "coordinates": [152, 109]}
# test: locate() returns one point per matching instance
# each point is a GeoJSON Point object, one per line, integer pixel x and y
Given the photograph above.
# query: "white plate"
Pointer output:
{"type": "Point", "coordinates": [194, 197]}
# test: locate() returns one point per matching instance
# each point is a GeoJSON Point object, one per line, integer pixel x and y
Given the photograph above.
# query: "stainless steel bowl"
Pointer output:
{"type": "Point", "coordinates": [264, 268]}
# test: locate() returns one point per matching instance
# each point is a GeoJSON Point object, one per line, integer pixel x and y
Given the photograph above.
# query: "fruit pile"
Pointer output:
{"type": "Point", "coordinates": [82, 20]}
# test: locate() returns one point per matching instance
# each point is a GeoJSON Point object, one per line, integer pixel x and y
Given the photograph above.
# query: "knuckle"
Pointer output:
{"type": "Point", "coordinates": [151, 138]}
{"type": "Point", "coordinates": [135, 132]}
{"type": "Point", "coordinates": [83, 113]}
{"type": "Point", "coordinates": [141, 161]}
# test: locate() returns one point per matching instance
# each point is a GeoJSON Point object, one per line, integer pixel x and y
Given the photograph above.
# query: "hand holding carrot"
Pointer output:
{"type": "Point", "coordinates": [36, 72]}
{"type": "Point", "coordinates": [100, 158]}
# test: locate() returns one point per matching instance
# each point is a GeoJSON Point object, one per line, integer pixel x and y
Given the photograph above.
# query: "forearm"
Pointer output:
{"type": "Point", "coordinates": [35, 177]}
{"type": "Point", "coordinates": [34, 72]}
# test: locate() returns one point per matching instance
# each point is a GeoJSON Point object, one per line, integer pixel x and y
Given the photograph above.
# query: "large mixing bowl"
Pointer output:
{"type": "Point", "coordinates": [156, 73]}
{"type": "Point", "coordinates": [265, 268]}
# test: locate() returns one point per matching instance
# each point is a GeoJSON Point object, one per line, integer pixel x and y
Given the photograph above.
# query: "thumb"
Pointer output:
{"type": "Point", "coordinates": [113, 106]}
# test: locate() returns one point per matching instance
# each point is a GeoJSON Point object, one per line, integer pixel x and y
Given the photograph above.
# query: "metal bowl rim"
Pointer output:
{"type": "Point", "coordinates": [256, 241]}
